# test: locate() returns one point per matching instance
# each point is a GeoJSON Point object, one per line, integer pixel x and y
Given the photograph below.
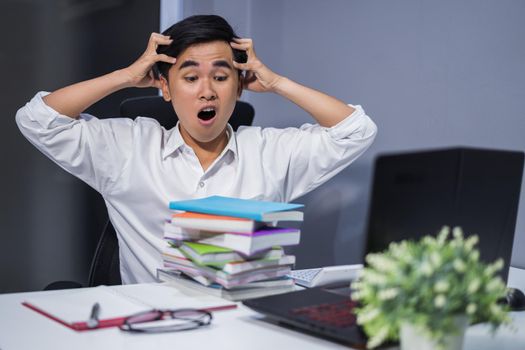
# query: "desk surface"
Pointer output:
{"type": "Point", "coordinates": [22, 328]}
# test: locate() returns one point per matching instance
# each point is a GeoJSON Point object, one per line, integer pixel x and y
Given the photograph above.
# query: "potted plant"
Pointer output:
{"type": "Point", "coordinates": [425, 293]}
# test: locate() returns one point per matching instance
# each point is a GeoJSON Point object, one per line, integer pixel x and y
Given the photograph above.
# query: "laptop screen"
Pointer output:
{"type": "Point", "coordinates": [416, 194]}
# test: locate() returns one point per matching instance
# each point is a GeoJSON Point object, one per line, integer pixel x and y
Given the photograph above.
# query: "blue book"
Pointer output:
{"type": "Point", "coordinates": [241, 208]}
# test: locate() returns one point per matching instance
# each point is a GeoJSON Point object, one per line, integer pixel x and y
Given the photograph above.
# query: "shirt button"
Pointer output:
{"type": "Point", "coordinates": [201, 184]}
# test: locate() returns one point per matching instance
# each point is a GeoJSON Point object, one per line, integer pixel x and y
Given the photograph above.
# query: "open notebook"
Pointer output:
{"type": "Point", "coordinates": [72, 308]}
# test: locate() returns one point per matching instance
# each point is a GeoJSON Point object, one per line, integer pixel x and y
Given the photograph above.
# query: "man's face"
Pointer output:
{"type": "Point", "coordinates": [203, 87]}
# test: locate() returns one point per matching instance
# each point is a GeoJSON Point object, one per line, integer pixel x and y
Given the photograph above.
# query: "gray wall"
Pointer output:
{"type": "Point", "coordinates": [430, 73]}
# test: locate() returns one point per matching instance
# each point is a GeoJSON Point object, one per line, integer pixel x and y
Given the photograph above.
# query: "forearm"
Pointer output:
{"type": "Point", "coordinates": [325, 109]}
{"type": "Point", "coordinates": [74, 99]}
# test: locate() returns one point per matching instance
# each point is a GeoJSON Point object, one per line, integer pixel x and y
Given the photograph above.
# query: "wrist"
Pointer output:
{"type": "Point", "coordinates": [122, 78]}
{"type": "Point", "coordinates": [280, 85]}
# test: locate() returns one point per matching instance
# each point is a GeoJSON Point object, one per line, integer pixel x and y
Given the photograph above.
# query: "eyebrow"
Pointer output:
{"type": "Point", "coordinates": [218, 63]}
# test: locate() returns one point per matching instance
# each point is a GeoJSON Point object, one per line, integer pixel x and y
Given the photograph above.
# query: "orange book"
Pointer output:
{"type": "Point", "coordinates": [214, 223]}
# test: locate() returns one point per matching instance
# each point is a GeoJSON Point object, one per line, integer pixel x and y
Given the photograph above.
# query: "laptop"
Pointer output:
{"type": "Point", "coordinates": [415, 194]}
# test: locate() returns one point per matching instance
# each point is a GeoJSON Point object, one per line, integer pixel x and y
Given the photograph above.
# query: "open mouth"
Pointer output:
{"type": "Point", "coordinates": [207, 113]}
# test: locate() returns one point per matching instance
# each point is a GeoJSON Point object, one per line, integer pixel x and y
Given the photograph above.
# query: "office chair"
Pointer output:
{"type": "Point", "coordinates": [105, 266]}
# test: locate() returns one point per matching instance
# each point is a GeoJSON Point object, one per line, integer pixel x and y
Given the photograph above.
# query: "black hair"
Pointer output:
{"type": "Point", "coordinates": [197, 30]}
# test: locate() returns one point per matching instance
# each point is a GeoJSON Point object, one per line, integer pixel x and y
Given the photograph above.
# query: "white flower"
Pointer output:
{"type": "Point", "coordinates": [459, 265]}
{"type": "Point", "coordinates": [493, 285]}
{"type": "Point", "coordinates": [440, 301]}
{"type": "Point", "coordinates": [457, 232]}
{"type": "Point", "coordinates": [356, 295]}
{"type": "Point", "coordinates": [378, 337]}
{"type": "Point", "coordinates": [492, 268]}
{"type": "Point", "coordinates": [473, 286]}
{"type": "Point", "coordinates": [471, 308]}
{"type": "Point", "coordinates": [498, 265]}
{"type": "Point", "coordinates": [388, 294]}
{"type": "Point", "coordinates": [396, 250]}
{"type": "Point", "coordinates": [357, 284]}
{"type": "Point", "coordinates": [443, 234]}
{"type": "Point", "coordinates": [373, 277]}
{"type": "Point", "coordinates": [381, 262]}
{"type": "Point", "coordinates": [441, 286]}
{"type": "Point", "coordinates": [367, 316]}
{"type": "Point", "coordinates": [471, 242]}
{"type": "Point", "coordinates": [436, 260]}
{"type": "Point", "coordinates": [474, 255]}
{"type": "Point", "coordinates": [426, 268]}
{"type": "Point", "coordinates": [428, 240]}
{"type": "Point", "coordinates": [495, 309]}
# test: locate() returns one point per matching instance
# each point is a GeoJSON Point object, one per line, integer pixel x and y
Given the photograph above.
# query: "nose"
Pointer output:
{"type": "Point", "coordinates": [207, 92]}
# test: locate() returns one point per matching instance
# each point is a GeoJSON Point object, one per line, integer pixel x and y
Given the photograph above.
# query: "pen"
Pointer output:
{"type": "Point", "coordinates": [93, 318]}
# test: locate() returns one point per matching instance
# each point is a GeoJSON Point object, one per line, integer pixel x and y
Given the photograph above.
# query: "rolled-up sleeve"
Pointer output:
{"type": "Point", "coordinates": [312, 154]}
{"type": "Point", "coordinates": [92, 149]}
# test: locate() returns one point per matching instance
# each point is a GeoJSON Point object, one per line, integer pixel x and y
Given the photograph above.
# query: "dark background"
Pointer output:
{"type": "Point", "coordinates": [50, 221]}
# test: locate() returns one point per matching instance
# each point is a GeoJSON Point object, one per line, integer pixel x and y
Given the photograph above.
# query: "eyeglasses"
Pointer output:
{"type": "Point", "coordinates": [157, 321]}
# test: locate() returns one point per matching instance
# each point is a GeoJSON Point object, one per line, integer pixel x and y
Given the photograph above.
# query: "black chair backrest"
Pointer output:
{"type": "Point", "coordinates": [155, 107]}
{"type": "Point", "coordinates": [105, 267]}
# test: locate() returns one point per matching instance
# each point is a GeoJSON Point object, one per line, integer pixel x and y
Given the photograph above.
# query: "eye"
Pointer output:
{"type": "Point", "coordinates": [190, 79]}
{"type": "Point", "coordinates": [221, 77]}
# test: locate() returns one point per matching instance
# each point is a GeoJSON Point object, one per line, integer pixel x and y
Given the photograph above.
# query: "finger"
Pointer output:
{"type": "Point", "coordinates": [239, 46]}
{"type": "Point", "coordinates": [248, 47]}
{"type": "Point", "coordinates": [243, 40]}
{"type": "Point", "coordinates": [241, 66]}
{"type": "Point", "coordinates": [158, 36]}
{"type": "Point", "coordinates": [165, 58]}
{"type": "Point", "coordinates": [155, 42]}
{"type": "Point", "coordinates": [156, 39]}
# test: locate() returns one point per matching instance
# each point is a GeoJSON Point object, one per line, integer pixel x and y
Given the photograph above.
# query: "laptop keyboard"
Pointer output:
{"type": "Point", "coordinates": [337, 315]}
{"type": "Point", "coordinates": [306, 275]}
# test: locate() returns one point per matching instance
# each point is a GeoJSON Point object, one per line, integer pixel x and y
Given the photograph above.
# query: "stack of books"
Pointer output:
{"type": "Point", "coordinates": [230, 247]}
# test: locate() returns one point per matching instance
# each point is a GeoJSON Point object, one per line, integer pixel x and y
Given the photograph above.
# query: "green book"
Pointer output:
{"type": "Point", "coordinates": [207, 254]}
{"type": "Point", "coordinates": [203, 249]}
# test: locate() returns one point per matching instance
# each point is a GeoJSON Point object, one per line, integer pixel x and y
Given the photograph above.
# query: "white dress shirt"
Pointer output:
{"type": "Point", "coordinates": [139, 167]}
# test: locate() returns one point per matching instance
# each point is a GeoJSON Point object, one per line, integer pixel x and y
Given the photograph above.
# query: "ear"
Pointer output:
{"type": "Point", "coordinates": [241, 85]}
{"type": "Point", "coordinates": [165, 88]}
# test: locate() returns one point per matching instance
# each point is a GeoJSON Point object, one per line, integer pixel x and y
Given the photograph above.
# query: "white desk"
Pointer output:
{"type": "Point", "coordinates": [22, 328]}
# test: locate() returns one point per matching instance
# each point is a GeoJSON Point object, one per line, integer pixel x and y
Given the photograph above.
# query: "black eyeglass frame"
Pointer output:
{"type": "Point", "coordinates": [199, 319]}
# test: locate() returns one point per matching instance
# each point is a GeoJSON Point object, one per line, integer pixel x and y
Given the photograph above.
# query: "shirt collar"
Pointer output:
{"type": "Point", "coordinates": [174, 141]}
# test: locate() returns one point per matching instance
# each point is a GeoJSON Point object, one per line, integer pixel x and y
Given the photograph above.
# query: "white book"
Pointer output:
{"type": "Point", "coordinates": [232, 268]}
{"type": "Point", "coordinates": [228, 280]}
{"type": "Point", "coordinates": [252, 290]}
{"type": "Point", "coordinates": [242, 266]}
{"type": "Point", "coordinates": [177, 233]}
{"type": "Point", "coordinates": [169, 250]}
{"type": "Point", "coordinates": [174, 254]}
{"type": "Point", "coordinates": [249, 244]}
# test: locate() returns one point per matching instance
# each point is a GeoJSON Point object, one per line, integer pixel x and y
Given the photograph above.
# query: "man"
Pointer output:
{"type": "Point", "coordinates": [138, 166]}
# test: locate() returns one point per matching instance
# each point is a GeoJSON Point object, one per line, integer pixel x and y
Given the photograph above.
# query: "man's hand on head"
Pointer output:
{"type": "Point", "coordinates": [258, 77]}
{"type": "Point", "coordinates": [140, 74]}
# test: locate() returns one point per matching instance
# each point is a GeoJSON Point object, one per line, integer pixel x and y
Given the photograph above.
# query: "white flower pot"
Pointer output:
{"type": "Point", "coordinates": [413, 338]}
